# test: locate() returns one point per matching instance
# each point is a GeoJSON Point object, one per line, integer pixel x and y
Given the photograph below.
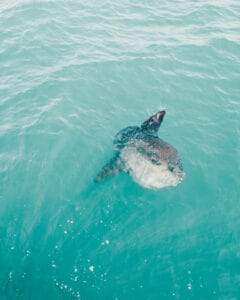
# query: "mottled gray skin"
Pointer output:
{"type": "Point", "coordinates": [146, 141]}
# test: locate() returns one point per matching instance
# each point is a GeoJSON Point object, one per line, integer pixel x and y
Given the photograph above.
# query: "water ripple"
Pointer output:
{"type": "Point", "coordinates": [72, 75]}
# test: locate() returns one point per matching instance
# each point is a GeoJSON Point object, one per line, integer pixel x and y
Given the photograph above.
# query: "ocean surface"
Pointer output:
{"type": "Point", "coordinates": [74, 73]}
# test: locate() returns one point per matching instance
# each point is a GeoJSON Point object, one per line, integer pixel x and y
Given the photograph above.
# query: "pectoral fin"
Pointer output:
{"type": "Point", "coordinates": [111, 168]}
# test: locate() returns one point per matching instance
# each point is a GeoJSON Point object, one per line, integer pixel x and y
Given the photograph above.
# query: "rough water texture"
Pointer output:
{"type": "Point", "coordinates": [72, 74]}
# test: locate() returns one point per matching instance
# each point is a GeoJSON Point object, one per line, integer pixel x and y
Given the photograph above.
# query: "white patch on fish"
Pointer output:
{"type": "Point", "coordinates": [148, 174]}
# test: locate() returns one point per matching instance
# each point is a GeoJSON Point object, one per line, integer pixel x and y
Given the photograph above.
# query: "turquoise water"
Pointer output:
{"type": "Point", "coordinates": [72, 74]}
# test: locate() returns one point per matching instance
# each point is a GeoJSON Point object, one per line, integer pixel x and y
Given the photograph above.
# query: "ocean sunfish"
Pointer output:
{"type": "Point", "coordinates": [150, 161]}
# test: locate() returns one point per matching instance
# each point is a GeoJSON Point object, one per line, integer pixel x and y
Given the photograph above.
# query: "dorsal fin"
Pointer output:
{"type": "Point", "coordinates": [154, 122]}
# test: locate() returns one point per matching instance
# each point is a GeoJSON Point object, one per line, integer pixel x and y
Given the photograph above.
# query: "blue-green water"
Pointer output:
{"type": "Point", "coordinates": [72, 74]}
